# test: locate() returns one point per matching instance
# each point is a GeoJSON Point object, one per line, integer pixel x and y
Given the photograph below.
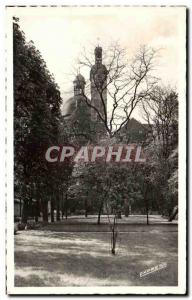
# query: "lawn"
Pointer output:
{"type": "Point", "coordinates": [47, 257]}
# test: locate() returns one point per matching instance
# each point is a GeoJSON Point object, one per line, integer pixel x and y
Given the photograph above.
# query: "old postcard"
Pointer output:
{"type": "Point", "coordinates": [96, 149]}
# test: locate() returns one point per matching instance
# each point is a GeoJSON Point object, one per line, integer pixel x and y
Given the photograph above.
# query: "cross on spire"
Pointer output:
{"type": "Point", "coordinates": [98, 40]}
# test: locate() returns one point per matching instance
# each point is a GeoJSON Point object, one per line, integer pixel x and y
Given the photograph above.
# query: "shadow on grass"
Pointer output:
{"type": "Point", "coordinates": [82, 259]}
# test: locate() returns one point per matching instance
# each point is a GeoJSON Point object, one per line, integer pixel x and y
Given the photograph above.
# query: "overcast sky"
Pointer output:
{"type": "Point", "coordinates": [61, 33]}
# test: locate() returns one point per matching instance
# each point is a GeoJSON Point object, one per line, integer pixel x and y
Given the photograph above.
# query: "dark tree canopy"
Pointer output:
{"type": "Point", "coordinates": [37, 122]}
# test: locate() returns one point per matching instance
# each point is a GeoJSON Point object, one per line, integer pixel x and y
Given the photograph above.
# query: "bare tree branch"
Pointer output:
{"type": "Point", "coordinates": [127, 84]}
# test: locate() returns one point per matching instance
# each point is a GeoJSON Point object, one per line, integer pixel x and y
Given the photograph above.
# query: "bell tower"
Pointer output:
{"type": "Point", "coordinates": [98, 55]}
{"type": "Point", "coordinates": [98, 78]}
{"type": "Point", "coordinates": [79, 85]}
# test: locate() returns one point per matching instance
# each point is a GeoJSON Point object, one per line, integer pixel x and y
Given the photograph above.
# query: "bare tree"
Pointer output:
{"type": "Point", "coordinates": [127, 83]}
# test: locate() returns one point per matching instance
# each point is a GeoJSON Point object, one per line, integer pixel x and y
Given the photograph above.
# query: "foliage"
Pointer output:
{"type": "Point", "coordinates": [161, 112]}
{"type": "Point", "coordinates": [37, 120]}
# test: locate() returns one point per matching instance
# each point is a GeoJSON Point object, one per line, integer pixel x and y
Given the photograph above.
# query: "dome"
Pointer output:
{"type": "Point", "coordinates": [79, 78]}
{"type": "Point", "coordinates": [69, 106]}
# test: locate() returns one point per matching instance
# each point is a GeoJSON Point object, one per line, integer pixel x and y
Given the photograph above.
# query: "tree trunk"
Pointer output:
{"type": "Point", "coordinates": [86, 209]}
{"type": "Point", "coordinates": [36, 210]}
{"type": "Point", "coordinates": [147, 204]}
{"type": "Point", "coordinates": [20, 208]}
{"type": "Point", "coordinates": [52, 210]}
{"type": "Point", "coordinates": [66, 205]}
{"type": "Point", "coordinates": [58, 208]}
{"type": "Point", "coordinates": [147, 217]}
{"type": "Point", "coordinates": [114, 237]}
{"type": "Point", "coordinates": [99, 213]}
{"type": "Point", "coordinates": [126, 211]}
{"type": "Point", "coordinates": [25, 212]}
{"type": "Point", "coordinates": [45, 211]}
{"type": "Point", "coordinates": [147, 211]}
{"type": "Point", "coordinates": [62, 205]}
{"type": "Point", "coordinates": [173, 214]}
{"type": "Point", "coordinates": [119, 214]}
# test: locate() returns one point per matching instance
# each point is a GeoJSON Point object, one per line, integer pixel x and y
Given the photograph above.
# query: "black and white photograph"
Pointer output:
{"type": "Point", "coordinates": [96, 149]}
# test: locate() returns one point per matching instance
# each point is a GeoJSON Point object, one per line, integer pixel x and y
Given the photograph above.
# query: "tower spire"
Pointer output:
{"type": "Point", "coordinates": [98, 40]}
{"type": "Point", "coordinates": [98, 55]}
{"type": "Point", "coordinates": [98, 77]}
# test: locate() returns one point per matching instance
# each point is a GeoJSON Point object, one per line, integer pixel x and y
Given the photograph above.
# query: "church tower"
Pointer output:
{"type": "Point", "coordinates": [80, 117]}
{"type": "Point", "coordinates": [79, 85]}
{"type": "Point", "coordinates": [98, 78]}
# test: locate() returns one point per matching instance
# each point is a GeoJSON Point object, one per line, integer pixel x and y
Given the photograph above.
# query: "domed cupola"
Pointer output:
{"type": "Point", "coordinates": [79, 85]}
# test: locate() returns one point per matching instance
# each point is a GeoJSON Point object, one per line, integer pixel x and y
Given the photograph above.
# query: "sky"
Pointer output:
{"type": "Point", "coordinates": [60, 34]}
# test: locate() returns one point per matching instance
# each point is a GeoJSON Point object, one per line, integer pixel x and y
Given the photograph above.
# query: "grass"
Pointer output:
{"type": "Point", "coordinates": [48, 257]}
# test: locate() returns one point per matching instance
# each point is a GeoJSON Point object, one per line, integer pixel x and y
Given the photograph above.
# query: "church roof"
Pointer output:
{"type": "Point", "coordinates": [70, 104]}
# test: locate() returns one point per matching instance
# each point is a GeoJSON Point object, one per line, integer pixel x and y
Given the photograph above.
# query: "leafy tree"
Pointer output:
{"type": "Point", "coordinates": [36, 123]}
{"type": "Point", "coordinates": [161, 113]}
